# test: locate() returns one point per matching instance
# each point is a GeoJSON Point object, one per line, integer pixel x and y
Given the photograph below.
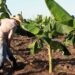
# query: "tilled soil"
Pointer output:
{"type": "Point", "coordinates": [38, 64]}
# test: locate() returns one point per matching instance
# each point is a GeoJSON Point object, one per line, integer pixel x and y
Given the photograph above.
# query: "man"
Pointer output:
{"type": "Point", "coordinates": [7, 28]}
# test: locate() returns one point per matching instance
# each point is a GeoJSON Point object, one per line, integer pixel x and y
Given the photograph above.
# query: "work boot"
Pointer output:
{"type": "Point", "coordinates": [15, 65]}
{"type": "Point", "coordinates": [18, 66]}
{"type": "Point", "coordinates": [1, 69]}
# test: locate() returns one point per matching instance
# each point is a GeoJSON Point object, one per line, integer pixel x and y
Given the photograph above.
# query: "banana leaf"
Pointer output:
{"type": "Point", "coordinates": [4, 15]}
{"type": "Point", "coordinates": [4, 11]}
{"type": "Point", "coordinates": [31, 27]}
{"type": "Point", "coordinates": [1, 1]}
{"type": "Point", "coordinates": [63, 29]}
{"type": "Point", "coordinates": [32, 47]}
{"type": "Point", "coordinates": [74, 23]}
{"type": "Point", "coordinates": [58, 12]}
{"type": "Point", "coordinates": [35, 45]}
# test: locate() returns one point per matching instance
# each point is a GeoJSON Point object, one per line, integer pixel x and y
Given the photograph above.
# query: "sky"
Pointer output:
{"type": "Point", "coordinates": [31, 8]}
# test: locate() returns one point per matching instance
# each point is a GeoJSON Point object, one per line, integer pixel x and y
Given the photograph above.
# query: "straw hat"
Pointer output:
{"type": "Point", "coordinates": [18, 18]}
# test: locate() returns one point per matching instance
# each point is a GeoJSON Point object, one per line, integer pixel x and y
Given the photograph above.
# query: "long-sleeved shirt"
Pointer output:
{"type": "Point", "coordinates": [7, 28]}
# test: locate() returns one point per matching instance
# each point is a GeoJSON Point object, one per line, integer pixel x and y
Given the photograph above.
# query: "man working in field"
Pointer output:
{"type": "Point", "coordinates": [7, 28]}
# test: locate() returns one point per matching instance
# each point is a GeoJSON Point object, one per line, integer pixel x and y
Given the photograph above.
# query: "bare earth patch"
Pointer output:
{"type": "Point", "coordinates": [38, 64]}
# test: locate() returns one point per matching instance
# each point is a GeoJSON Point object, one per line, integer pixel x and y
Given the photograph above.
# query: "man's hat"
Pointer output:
{"type": "Point", "coordinates": [18, 17]}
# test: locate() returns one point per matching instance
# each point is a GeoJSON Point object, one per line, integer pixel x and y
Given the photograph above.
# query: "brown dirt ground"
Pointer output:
{"type": "Point", "coordinates": [38, 64]}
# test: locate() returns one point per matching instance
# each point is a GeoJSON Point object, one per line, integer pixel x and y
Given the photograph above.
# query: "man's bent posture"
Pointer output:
{"type": "Point", "coordinates": [7, 28]}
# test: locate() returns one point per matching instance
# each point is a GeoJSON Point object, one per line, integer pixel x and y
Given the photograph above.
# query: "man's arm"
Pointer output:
{"type": "Point", "coordinates": [10, 35]}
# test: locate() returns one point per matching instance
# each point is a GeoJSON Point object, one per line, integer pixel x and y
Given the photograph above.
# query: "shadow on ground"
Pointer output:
{"type": "Point", "coordinates": [10, 70]}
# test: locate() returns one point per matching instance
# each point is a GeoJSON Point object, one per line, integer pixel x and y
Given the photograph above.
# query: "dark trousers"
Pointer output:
{"type": "Point", "coordinates": [7, 54]}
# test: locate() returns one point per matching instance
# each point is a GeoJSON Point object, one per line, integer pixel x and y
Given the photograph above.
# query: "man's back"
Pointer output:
{"type": "Point", "coordinates": [7, 25]}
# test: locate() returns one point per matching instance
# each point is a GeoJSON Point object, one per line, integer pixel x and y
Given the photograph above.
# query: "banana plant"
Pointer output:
{"type": "Point", "coordinates": [43, 36]}
{"type": "Point", "coordinates": [38, 19]}
{"type": "Point", "coordinates": [66, 23]}
{"type": "Point", "coordinates": [4, 11]}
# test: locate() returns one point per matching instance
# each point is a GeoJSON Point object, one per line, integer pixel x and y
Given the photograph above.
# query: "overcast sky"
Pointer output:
{"type": "Point", "coordinates": [31, 8]}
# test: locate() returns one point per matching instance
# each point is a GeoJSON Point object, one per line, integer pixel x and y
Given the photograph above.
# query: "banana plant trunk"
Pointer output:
{"type": "Point", "coordinates": [50, 58]}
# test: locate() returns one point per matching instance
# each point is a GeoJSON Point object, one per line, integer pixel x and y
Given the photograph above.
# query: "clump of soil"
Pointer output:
{"type": "Point", "coordinates": [37, 64]}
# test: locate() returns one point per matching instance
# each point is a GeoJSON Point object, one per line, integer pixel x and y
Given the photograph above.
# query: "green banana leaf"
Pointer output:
{"type": "Point", "coordinates": [4, 15]}
{"type": "Point", "coordinates": [32, 44]}
{"type": "Point", "coordinates": [70, 39]}
{"type": "Point", "coordinates": [74, 23]}
{"type": "Point", "coordinates": [1, 2]}
{"type": "Point", "coordinates": [32, 47]}
{"type": "Point", "coordinates": [4, 11]}
{"type": "Point", "coordinates": [31, 27]}
{"type": "Point", "coordinates": [58, 12]}
{"type": "Point", "coordinates": [35, 45]}
{"type": "Point", "coordinates": [63, 29]}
